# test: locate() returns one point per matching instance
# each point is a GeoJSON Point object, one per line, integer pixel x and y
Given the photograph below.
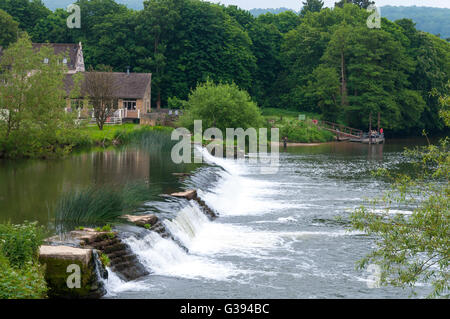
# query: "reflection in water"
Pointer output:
{"type": "Point", "coordinates": [29, 189]}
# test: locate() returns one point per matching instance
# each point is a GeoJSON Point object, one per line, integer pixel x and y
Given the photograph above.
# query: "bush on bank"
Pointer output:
{"type": "Point", "coordinates": [21, 275]}
{"type": "Point", "coordinates": [303, 132]}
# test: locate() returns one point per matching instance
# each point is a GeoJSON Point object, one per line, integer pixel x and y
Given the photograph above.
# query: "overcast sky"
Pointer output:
{"type": "Point", "coordinates": [296, 4]}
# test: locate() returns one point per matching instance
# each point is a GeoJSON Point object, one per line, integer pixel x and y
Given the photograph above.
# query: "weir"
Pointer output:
{"type": "Point", "coordinates": [155, 246]}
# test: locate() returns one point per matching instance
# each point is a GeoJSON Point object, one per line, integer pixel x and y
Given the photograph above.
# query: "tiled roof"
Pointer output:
{"type": "Point", "coordinates": [129, 86]}
{"type": "Point", "coordinates": [68, 50]}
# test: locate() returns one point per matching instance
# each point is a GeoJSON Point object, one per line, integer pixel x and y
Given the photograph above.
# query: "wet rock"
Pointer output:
{"type": "Point", "coordinates": [88, 236]}
{"type": "Point", "coordinates": [190, 194]}
{"type": "Point", "coordinates": [141, 220]}
{"type": "Point", "coordinates": [57, 260]}
{"type": "Point", "coordinates": [206, 209]}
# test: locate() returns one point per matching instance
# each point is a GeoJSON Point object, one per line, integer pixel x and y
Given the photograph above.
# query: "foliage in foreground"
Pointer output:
{"type": "Point", "coordinates": [414, 249]}
{"type": "Point", "coordinates": [21, 276]}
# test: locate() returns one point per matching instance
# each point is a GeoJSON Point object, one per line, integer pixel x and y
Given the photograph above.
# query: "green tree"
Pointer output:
{"type": "Point", "coordinates": [284, 21]}
{"type": "Point", "coordinates": [364, 4]}
{"type": "Point", "coordinates": [26, 12]}
{"type": "Point", "coordinates": [325, 89]}
{"type": "Point", "coordinates": [156, 27]}
{"type": "Point", "coordinates": [266, 39]}
{"type": "Point", "coordinates": [222, 106]}
{"type": "Point", "coordinates": [9, 27]}
{"type": "Point", "coordinates": [33, 121]}
{"type": "Point", "coordinates": [337, 53]}
{"type": "Point", "coordinates": [311, 6]}
{"type": "Point", "coordinates": [205, 43]}
{"type": "Point", "coordinates": [415, 248]}
{"type": "Point", "coordinates": [53, 29]}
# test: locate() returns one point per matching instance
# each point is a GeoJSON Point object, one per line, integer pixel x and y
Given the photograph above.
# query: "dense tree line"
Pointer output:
{"type": "Point", "coordinates": [321, 60]}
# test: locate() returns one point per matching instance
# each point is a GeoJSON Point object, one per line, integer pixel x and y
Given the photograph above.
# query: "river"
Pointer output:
{"type": "Point", "coordinates": [277, 235]}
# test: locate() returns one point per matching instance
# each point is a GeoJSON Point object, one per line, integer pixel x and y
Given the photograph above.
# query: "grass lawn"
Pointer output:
{"type": "Point", "coordinates": [108, 133]}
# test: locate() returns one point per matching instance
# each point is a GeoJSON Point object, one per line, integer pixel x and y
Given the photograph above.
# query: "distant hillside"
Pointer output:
{"type": "Point", "coordinates": [431, 20]}
{"type": "Point", "coordinates": [54, 4]}
{"type": "Point", "coordinates": [257, 12]}
{"type": "Point", "coordinates": [428, 19]}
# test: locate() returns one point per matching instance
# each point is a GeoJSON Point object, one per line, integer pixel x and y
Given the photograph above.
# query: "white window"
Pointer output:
{"type": "Point", "coordinates": [129, 105]}
{"type": "Point", "coordinates": [46, 60]}
{"type": "Point", "coordinates": [65, 61]}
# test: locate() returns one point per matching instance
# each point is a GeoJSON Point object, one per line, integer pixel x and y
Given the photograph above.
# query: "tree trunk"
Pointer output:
{"type": "Point", "coordinates": [158, 101]}
{"type": "Point", "coordinates": [343, 81]}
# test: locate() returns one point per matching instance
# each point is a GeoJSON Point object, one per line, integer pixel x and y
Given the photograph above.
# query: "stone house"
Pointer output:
{"type": "Point", "coordinates": [133, 89]}
{"type": "Point", "coordinates": [133, 94]}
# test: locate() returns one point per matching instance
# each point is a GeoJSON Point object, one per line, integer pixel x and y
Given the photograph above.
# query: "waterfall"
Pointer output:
{"type": "Point", "coordinates": [164, 257]}
{"type": "Point", "coordinates": [187, 224]}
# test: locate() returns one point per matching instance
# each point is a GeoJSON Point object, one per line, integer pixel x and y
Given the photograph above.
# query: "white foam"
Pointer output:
{"type": "Point", "coordinates": [115, 285]}
{"type": "Point", "coordinates": [165, 257]}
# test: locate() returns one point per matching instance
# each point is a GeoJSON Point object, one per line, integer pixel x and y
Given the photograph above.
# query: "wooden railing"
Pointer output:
{"type": "Point", "coordinates": [340, 129]}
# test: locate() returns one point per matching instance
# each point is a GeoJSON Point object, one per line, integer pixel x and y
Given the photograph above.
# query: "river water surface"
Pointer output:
{"type": "Point", "coordinates": [277, 235]}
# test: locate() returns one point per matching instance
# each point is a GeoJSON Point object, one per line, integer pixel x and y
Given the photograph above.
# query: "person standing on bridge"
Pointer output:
{"type": "Point", "coordinates": [381, 131]}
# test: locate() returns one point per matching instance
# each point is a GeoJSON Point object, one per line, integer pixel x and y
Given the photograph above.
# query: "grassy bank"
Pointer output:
{"type": "Point", "coordinates": [297, 131]}
{"type": "Point", "coordinates": [116, 134]}
{"type": "Point", "coordinates": [85, 137]}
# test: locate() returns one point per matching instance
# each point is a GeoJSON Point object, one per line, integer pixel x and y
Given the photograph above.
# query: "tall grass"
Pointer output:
{"type": "Point", "coordinates": [156, 138]}
{"type": "Point", "coordinates": [96, 206]}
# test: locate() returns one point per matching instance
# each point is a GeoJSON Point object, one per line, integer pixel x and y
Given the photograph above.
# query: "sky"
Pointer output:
{"type": "Point", "coordinates": [296, 4]}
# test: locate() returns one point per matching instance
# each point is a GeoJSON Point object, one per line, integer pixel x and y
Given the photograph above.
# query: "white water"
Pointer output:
{"type": "Point", "coordinates": [234, 195]}
{"type": "Point", "coordinates": [164, 257]}
{"type": "Point", "coordinates": [237, 194]}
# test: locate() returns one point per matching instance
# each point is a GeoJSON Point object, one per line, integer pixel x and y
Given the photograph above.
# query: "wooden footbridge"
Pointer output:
{"type": "Point", "coordinates": [340, 130]}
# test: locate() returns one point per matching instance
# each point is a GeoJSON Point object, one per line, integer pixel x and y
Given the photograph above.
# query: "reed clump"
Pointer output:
{"type": "Point", "coordinates": [99, 205]}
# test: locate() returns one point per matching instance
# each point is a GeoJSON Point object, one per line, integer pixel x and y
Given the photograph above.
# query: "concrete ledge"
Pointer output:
{"type": "Point", "coordinates": [57, 259]}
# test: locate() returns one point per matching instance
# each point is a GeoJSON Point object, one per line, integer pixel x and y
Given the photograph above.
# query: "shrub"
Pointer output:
{"type": "Point", "coordinates": [303, 132]}
{"type": "Point", "coordinates": [20, 243]}
{"type": "Point", "coordinates": [222, 106]}
{"type": "Point", "coordinates": [21, 276]}
{"type": "Point", "coordinates": [25, 282]}
{"type": "Point", "coordinates": [105, 260]}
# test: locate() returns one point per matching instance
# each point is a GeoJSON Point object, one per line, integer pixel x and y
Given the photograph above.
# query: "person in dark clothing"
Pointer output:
{"type": "Point", "coordinates": [285, 139]}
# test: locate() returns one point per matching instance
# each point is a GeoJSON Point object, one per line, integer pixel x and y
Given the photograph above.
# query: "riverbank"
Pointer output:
{"type": "Point", "coordinates": [113, 135]}
{"type": "Point", "coordinates": [83, 138]}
